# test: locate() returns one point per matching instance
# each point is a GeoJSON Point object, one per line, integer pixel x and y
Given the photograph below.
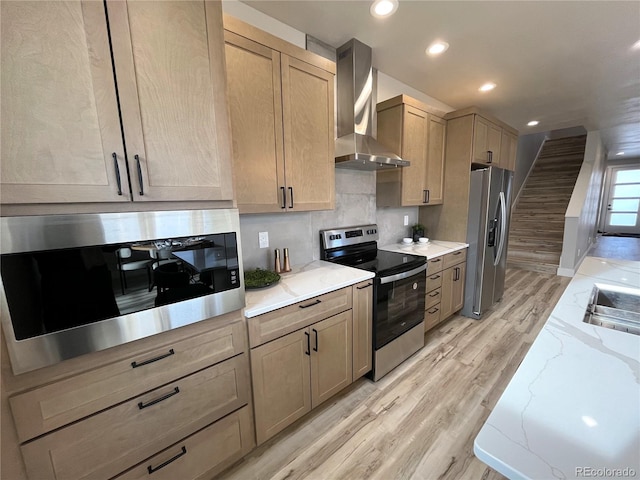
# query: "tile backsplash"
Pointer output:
{"type": "Point", "coordinates": [299, 231]}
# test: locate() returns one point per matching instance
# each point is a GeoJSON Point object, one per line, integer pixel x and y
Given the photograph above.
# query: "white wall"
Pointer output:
{"type": "Point", "coordinates": [264, 22]}
{"type": "Point", "coordinates": [581, 218]}
{"type": "Point", "coordinates": [389, 87]}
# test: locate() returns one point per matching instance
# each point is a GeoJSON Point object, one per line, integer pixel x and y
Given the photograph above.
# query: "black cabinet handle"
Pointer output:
{"type": "Point", "coordinates": [117, 168]}
{"type": "Point", "coordinates": [315, 349]}
{"type": "Point", "coordinates": [459, 252]}
{"type": "Point", "coordinates": [489, 156]}
{"type": "Point", "coordinates": [291, 194]}
{"type": "Point", "coordinates": [426, 196]}
{"type": "Point", "coordinates": [436, 260]}
{"type": "Point", "coordinates": [284, 198]}
{"type": "Point", "coordinates": [434, 294]}
{"type": "Point", "coordinates": [434, 277]}
{"type": "Point", "coordinates": [311, 304]}
{"type": "Point", "coordinates": [433, 310]}
{"type": "Point", "coordinates": [137, 157]}
{"type": "Point", "coordinates": [151, 360]}
{"type": "Point", "coordinates": [364, 286]}
{"type": "Point", "coordinates": [142, 405]}
{"type": "Point", "coordinates": [456, 272]}
{"type": "Point", "coordinates": [308, 352]}
{"type": "Point", "coordinates": [151, 469]}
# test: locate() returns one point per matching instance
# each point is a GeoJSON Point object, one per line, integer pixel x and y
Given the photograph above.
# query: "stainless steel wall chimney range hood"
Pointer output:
{"type": "Point", "coordinates": [355, 146]}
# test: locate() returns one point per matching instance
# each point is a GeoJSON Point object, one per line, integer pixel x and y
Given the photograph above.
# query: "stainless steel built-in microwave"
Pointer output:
{"type": "Point", "coordinates": [75, 284]}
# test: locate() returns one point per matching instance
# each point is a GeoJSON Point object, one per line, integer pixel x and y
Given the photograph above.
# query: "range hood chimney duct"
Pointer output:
{"type": "Point", "coordinates": [355, 146]}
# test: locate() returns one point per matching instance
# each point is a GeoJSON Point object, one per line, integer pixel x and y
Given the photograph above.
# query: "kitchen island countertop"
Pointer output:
{"type": "Point", "coordinates": [572, 409]}
{"type": "Point", "coordinates": [302, 283]}
{"type": "Point", "coordinates": [432, 249]}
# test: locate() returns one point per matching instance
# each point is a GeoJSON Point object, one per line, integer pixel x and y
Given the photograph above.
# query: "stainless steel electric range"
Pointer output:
{"type": "Point", "coordinates": [398, 292]}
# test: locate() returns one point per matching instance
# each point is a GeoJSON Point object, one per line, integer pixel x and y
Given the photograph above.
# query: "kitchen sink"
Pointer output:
{"type": "Point", "coordinates": [614, 307]}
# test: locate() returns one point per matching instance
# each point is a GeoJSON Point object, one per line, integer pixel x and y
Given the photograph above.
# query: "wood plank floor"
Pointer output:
{"type": "Point", "coordinates": [420, 421]}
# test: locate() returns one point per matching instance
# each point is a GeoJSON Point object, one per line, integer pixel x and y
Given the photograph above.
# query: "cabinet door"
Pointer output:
{"type": "Point", "coordinates": [435, 160]}
{"type": "Point", "coordinates": [457, 290]}
{"type": "Point", "coordinates": [508, 148]}
{"type": "Point", "coordinates": [486, 141]}
{"type": "Point", "coordinates": [414, 149]}
{"type": "Point", "coordinates": [452, 292]}
{"type": "Point", "coordinates": [446, 302]}
{"type": "Point", "coordinates": [280, 376]}
{"type": "Point", "coordinates": [170, 69]}
{"type": "Point", "coordinates": [60, 123]}
{"type": "Point", "coordinates": [307, 112]}
{"type": "Point", "coordinates": [255, 106]}
{"type": "Point", "coordinates": [331, 356]}
{"type": "Point", "coordinates": [362, 328]}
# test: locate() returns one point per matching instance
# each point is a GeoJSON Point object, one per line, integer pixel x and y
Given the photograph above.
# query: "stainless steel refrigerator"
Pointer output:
{"type": "Point", "coordinates": [487, 236]}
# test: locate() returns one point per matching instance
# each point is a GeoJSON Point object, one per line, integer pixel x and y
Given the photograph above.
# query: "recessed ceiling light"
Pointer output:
{"type": "Point", "coordinates": [619, 154]}
{"type": "Point", "coordinates": [383, 8]}
{"type": "Point", "coordinates": [533, 123]}
{"type": "Point", "coordinates": [487, 87]}
{"type": "Point", "coordinates": [636, 46]}
{"type": "Point", "coordinates": [436, 48]}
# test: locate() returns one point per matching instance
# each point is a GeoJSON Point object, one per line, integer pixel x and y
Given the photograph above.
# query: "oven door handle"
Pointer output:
{"type": "Point", "coordinates": [400, 276]}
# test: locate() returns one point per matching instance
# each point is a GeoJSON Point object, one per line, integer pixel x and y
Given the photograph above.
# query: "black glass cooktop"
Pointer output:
{"type": "Point", "coordinates": [382, 263]}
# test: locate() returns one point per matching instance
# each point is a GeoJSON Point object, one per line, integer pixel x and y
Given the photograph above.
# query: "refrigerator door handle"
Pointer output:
{"type": "Point", "coordinates": [503, 226]}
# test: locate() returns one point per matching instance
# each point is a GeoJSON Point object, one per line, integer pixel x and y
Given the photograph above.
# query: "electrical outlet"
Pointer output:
{"type": "Point", "coordinates": [406, 220]}
{"type": "Point", "coordinates": [263, 238]}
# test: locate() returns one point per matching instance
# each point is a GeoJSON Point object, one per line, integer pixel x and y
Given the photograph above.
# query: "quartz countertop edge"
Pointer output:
{"type": "Point", "coordinates": [572, 409]}
{"type": "Point", "coordinates": [432, 249]}
{"type": "Point", "coordinates": [302, 283]}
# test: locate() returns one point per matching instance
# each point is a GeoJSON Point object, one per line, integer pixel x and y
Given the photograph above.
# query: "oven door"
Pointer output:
{"type": "Point", "coordinates": [399, 304]}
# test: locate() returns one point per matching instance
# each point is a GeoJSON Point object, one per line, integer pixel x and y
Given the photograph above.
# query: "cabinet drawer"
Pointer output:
{"type": "Point", "coordinates": [203, 454]}
{"type": "Point", "coordinates": [272, 325]}
{"type": "Point", "coordinates": [453, 258]}
{"type": "Point", "coordinates": [434, 281]}
{"type": "Point", "coordinates": [435, 265]}
{"type": "Point", "coordinates": [109, 442]}
{"type": "Point", "coordinates": [432, 298]}
{"type": "Point", "coordinates": [46, 408]}
{"type": "Point", "coordinates": [431, 317]}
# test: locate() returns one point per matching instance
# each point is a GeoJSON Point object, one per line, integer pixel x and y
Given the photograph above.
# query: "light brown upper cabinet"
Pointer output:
{"type": "Point", "coordinates": [508, 150]}
{"type": "Point", "coordinates": [486, 141]}
{"type": "Point", "coordinates": [61, 135]}
{"type": "Point", "coordinates": [471, 134]}
{"type": "Point", "coordinates": [412, 130]}
{"type": "Point", "coordinates": [281, 102]}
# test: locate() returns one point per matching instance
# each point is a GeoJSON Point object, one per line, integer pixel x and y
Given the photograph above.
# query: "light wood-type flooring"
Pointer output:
{"type": "Point", "coordinates": [625, 248]}
{"type": "Point", "coordinates": [420, 421]}
{"type": "Point", "coordinates": [537, 221]}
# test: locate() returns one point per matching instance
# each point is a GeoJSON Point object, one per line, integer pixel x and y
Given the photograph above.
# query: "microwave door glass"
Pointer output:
{"type": "Point", "coordinates": [54, 290]}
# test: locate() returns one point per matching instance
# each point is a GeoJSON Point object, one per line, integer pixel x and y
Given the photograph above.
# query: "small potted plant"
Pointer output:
{"type": "Point", "coordinates": [418, 231]}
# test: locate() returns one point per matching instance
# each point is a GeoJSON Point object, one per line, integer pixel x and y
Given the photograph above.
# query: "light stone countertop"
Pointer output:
{"type": "Point", "coordinates": [572, 409]}
{"type": "Point", "coordinates": [302, 283]}
{"type": "Point", "coordinates": [433, 249]}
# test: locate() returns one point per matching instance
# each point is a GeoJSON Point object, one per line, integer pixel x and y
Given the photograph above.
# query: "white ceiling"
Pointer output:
{"type": "Point", "coordinates": [564, 63]}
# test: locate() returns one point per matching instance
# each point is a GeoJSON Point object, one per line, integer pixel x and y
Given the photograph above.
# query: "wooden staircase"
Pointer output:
{"type": "Point", "coordinates": [537, 220]}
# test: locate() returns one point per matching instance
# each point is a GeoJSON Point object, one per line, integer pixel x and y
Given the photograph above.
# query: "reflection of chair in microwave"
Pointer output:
{"type": "Point", "coordinates": [123, 254]}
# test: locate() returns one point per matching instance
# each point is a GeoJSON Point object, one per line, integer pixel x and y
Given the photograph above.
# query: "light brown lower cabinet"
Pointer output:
{"type": "Point", "coordinates": [452, 290]}
{"type": "Point", "coordinates": [445, 287]}
{"type": "Point", "coordinates": [297, 372]}
{"type": "Point", "coordinates": [105, 444]}
{"type": "Point", "coordinates": [203, 454]}
{"type": "Point", "coordinates": [362, 328]}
